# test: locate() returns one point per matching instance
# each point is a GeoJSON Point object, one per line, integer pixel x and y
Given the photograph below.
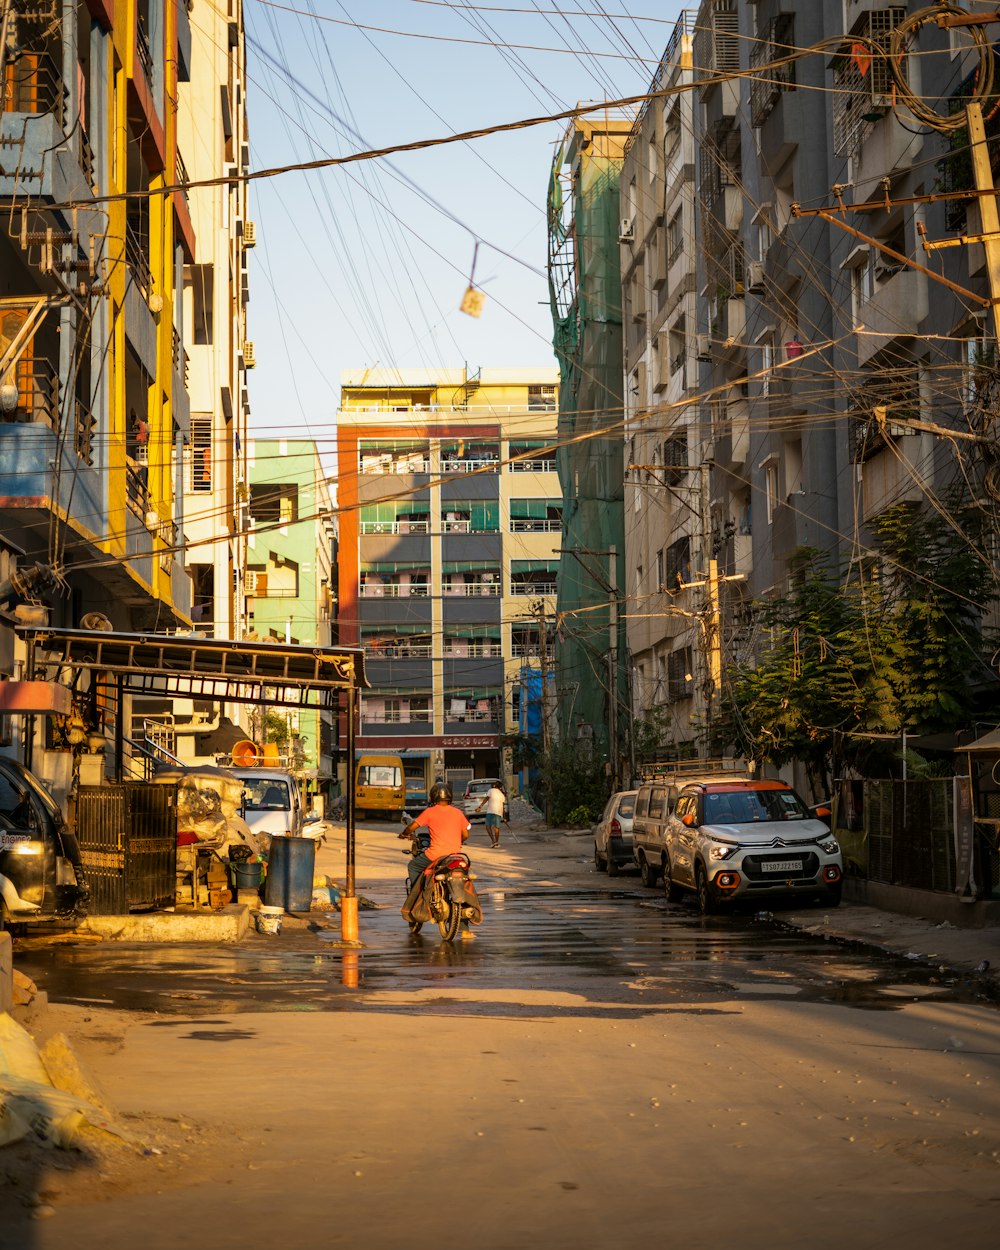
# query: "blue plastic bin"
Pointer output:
{"type": "Point", "coordinates": [291, 866]}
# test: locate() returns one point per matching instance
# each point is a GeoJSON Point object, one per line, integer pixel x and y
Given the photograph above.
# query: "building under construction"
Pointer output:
{"type": "Point", "coordinates": [585, 294]}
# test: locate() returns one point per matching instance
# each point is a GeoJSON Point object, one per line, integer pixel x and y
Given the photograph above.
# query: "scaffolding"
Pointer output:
{"type": "Point", "coordinates": [584, 270]}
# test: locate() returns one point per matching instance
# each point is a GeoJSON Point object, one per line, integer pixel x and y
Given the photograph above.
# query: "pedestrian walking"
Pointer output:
{"type": "Point", "coordinates": [494, 801]}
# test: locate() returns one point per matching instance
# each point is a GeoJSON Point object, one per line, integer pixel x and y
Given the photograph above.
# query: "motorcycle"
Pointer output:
{"type": "Point", "coordinates": [443, 893]}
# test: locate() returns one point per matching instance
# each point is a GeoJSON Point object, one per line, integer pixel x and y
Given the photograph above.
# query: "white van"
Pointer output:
{"type": "Point", "coordinates": [272, 805]}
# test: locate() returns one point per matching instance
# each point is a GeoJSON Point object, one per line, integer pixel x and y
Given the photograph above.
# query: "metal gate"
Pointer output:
{"type": "Point", "coordinates": [128, 845]}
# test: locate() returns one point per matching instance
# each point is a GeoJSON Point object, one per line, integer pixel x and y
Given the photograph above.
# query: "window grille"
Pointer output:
{"type": "Point", "coordinates": [201, 453]}
{"type": "Point", "coordinates": [767, 84]}
{"type": "Point", "coordinates": [862, 80]}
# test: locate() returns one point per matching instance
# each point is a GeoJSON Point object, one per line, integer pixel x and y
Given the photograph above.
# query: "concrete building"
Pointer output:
{"type": "Point", "coordinates": [666, 543]}
{"type": "Point", "coordinates": [93, 407]}
{"type": "Point", "coordinates": [288, 579]}
{"type": "Point", "coordinates": [213, 138]}
{"type": "Point", "coordinates": [450, 528]}
{"type": "Point", "coordinates": [810, 339]}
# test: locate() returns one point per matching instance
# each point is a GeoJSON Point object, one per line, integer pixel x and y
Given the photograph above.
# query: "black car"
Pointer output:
{"type": "Point", "coordinates": [41, 876]}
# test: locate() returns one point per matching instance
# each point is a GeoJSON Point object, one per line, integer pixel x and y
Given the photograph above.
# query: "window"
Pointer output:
{"type": "Point", "coordinates": [862, 279]}
{"type": "Point", "coordinates": [541, 399]}
{"type": "Point", "coordinates": [522, 459]}
{"type": "Point", "coordinates": [477, 516]}
{"type": "Point", "coordinates": [862, 81]}
{"type": "Point", "coordinates": [201, 453]}
{"type": "Point", "coordinates": [539, 516]}
{"type": "Point", "coordinates": [675, 458]}
{"type": "Point", "coordinates": [675, 237]}
{"type": "Point", "coordinates": [771, 489]}
{"type": "Point", "coordinates": [407, 516]}
{"type": "Point", "coordinates": [775, 42]}
{"type": "Point", "coordinates": [680, 677]}
{"type": "Point", "coordinates": [677, 564]}
{"type": "Point", "coordinates": [274, 504]}
{"type": "Point", "coordinates": [394, 457]}
{"type": "Point", "coordinates": [200, 280]}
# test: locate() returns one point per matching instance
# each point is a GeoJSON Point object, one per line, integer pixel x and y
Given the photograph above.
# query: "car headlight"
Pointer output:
{"type": "Point", "coordinates": [829, 846]}
{"type": "Point", "coordinates": [719, 850]}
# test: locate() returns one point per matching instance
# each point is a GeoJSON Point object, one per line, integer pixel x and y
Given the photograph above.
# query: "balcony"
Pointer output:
{"type": "Point", "coordinates": [37, 392]}
{"type": "Point", "coordinates": [532, 588]}
{"type": "Point", "coordinates": [457, 649]}
{"type": "Point", "coordinates": [896, 310]}
{"type": "Point", "coordinates": [532, 466]}
{"type": "Point", "coordinates": [394, 590]}
{"type": "Point", "coordinates": [535, 525]}
{"type": "Point", "coordinates": [469, 466]}
{"type": "Point", "coordinates": [471, 590]}
{"type": "Point", "coordinates": [137, 260]}
{"type": "Point", "coordinates": [396, 527]}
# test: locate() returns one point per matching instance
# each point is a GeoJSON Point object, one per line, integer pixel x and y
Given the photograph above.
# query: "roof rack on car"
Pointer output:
{"type": "Point", "coordinates": [694, 768]}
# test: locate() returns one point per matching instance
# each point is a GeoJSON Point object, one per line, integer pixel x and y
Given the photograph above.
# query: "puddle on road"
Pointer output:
{"type": "Point", "coordinates": [616, 950]}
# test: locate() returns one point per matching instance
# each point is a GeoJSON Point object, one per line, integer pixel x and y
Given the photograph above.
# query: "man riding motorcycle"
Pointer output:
{"type": "Point", "coordinates": [449, 830]}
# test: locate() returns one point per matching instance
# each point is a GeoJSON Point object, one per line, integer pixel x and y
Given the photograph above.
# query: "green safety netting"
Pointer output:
{"type": "Point", "coordinates": [392, 510]}
{"type": "Point", "coordinates": [584, 269]}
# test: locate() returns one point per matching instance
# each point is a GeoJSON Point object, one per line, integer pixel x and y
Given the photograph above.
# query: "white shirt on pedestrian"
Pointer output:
{"type": "Point", "coordinates": [494, 801]}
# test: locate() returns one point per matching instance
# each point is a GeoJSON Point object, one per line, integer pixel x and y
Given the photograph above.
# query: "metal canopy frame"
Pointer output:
{"type": "Point", "coordinates": [215, 668]}
{"type": "Point", "coordinates": [278, 674]}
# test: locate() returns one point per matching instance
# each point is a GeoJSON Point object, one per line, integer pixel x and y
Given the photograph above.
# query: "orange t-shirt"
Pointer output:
{"type": "Point", "coordinates": [447, 824]}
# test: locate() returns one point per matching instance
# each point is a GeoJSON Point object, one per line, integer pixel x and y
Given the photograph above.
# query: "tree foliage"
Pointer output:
{"type": "Point", "coordinates": [841, 661]}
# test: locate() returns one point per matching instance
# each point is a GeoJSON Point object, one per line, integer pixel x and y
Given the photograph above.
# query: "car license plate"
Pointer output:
{"type": "Point", "coordinates": [782, 865]}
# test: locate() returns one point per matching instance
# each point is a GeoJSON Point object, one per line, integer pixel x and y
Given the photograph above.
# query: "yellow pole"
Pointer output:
{"type": "Point", "coordinates": [989, 216]}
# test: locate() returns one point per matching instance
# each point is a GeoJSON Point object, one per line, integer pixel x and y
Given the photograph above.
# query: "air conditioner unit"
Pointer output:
{"type": "Point", "coordinates": [626, 232]}
{"type": "Point", "coordinates": [249, 358]}
{"type": "Point", "coordinates": [249, 234]}
{"type": "Point", "coordinates": [886, 269]}
{"type": "Point", "coordinates": [755, 277]}
{"type": "Point", "coordinates": [703, 347]}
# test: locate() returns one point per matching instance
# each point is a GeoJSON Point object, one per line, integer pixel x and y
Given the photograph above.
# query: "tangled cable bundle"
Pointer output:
{"type": "Point", "coordinates": [899, 44]}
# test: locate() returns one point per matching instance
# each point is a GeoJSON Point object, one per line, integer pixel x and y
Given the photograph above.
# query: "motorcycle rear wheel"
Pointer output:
{"type": "Point", "coordinates": [449, 926]}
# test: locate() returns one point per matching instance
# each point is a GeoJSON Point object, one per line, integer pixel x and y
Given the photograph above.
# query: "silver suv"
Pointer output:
{"type": "Point", "coordinates": [732, 840]}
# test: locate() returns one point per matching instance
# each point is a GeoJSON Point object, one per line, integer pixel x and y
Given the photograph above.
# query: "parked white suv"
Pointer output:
{"type": "Point", "coordinates": [733, 840]}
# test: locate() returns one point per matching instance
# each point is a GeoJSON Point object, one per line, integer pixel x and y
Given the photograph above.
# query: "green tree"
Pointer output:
{"type": "Point", "coordinates": [938, 581]}
{"type": "Point", "coordinates": [810, 682]}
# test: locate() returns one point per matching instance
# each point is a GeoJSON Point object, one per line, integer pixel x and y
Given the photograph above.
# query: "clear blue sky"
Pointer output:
{"type": "Point", "coordinates": [352, 266]}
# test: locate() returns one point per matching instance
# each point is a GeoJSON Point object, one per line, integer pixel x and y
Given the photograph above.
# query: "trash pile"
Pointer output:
{"type": "Point", "coordinates": [44, 1093]}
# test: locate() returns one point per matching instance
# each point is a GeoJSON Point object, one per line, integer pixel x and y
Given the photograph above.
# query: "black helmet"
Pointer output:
{"type": "Point", "coordinates": [440, 792]}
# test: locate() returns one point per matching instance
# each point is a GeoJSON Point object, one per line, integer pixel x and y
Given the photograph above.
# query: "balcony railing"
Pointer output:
{"type": "Point", "coordinates": [472, 590]}
{"type": "Point", "coordinates": [458, 525]}
{"type": "Point", "coordinates": [182, 363]}
{"type": "Point", "coordinates": [519, 650]}
{"type": "Point", "coordinates": [37, 392]}
{"type": "Point", "coordinates": [136, 490]}
{"type": "Point", "coordinates": [136, 259]}
{"type": "Point", "coordinates": [378, 465]}
{"type": "Point", "coordinates": [532, 466]}
{"type": "Point", "coordinates": [33, 84]}
{"type": "Point", "coordinates": [469, 466]}
{"type": "Point", "coordinates": [393, 590]}
{"type": "Point", "coordinates": [85, 424]}
{"type": "Point", "coordinates": [474, 651]}
{"type": "Point", "coordinates": [396, 716]}
{"type": "Point", "coordinates": [532, 588]}
{"type": "Point", "coordinates": [143, 50]}
{"type": "Point", "coordinates": [471, 714]}
{"type": "Point", "coordinates": [395, 527]}
{"type": "Point", "coordinates": [398, 651]}
{"type": "Point", "coordinates": [535, 525]}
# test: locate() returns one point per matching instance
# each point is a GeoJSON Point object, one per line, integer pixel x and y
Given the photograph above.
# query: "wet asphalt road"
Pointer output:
{"type": "Point", "coordinates": [606, 945]}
